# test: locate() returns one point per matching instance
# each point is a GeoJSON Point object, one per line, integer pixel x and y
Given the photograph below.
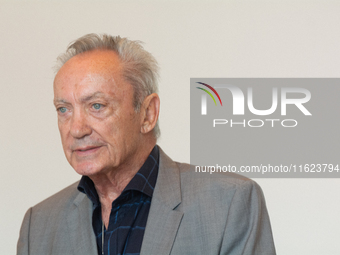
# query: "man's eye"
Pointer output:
{"type": "Point", "coordinates": [62, 109]}
{"type": "Point", "coordinates": [97, 106]}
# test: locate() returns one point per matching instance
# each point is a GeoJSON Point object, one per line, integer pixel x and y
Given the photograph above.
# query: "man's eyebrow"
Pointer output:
{"type": "Point", "coordinates": [83, 99]}
{"type": "Point", "coordinates": [59, 100]}
{"type": "Point", "coordinates": [92, 96]}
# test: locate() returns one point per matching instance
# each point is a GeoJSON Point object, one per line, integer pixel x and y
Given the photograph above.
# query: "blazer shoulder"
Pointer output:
{"type": "Point", "coordinates": [60, 199]}
{"type": "Point", "coordinates": [191, 180]}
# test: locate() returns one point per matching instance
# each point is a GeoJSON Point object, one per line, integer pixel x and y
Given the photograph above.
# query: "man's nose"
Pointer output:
{"type": "Point", "coordinates": [79, 125]}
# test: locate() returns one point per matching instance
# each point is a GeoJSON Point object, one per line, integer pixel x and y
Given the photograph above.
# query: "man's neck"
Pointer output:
{"type": "Point", "coordinates": [110, 185]}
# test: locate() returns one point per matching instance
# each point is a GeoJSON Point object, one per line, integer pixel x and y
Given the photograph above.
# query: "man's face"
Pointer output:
{"type": "Point", "coordinates": [99, 128]}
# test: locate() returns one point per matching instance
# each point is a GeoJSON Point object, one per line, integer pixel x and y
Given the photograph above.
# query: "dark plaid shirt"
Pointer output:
{"type": "Point", "coordinates": [129, 212]}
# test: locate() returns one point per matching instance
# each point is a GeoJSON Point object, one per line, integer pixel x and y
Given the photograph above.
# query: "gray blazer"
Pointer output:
{"type": "Point", "coordinates": [190, 214]}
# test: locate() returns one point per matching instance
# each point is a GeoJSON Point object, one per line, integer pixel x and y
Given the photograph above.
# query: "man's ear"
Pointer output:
{"type": "Point", "coordinates": [150, 112]}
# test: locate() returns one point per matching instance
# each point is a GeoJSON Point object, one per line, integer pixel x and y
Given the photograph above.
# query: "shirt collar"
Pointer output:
{"type": "Point", "coordinates": [144, 180]}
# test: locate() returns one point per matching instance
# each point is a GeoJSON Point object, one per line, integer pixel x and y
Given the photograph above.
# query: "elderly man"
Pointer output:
{"type": "Point", "coordinates": [132, 198]}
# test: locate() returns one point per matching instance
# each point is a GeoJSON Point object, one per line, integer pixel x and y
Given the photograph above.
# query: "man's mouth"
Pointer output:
{"type": "Point", "coordinates": [83, 151]}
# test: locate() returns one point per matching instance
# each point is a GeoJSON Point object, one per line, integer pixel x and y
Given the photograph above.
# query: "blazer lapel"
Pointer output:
{"type": "Point", "coordinates": [81, 235]}
{"type": "Point", "coordinates": [163, 221]}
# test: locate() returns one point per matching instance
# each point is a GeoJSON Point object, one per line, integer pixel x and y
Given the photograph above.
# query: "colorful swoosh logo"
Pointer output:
{"type": "Point", "coordinates": [213, 90]}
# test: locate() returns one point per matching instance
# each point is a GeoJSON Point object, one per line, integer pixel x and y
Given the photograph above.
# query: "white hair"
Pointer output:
{"type": "Point", "coordinates": [140, 68]}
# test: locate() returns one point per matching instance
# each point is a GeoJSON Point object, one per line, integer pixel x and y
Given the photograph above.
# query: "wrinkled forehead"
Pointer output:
{"type": "Point", "coordinates": [105, 63]}
{"type": "Point", "coordinates": [91, 71]}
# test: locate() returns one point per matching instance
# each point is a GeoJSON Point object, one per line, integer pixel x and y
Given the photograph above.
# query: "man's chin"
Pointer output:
{"type": "Point", "coordinates": [86, 169]}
